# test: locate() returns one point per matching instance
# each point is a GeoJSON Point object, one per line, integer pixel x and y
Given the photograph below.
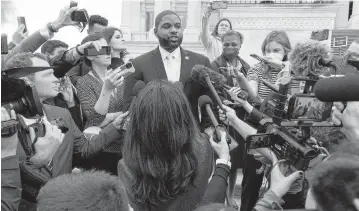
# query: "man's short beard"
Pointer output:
{"type": "Point", "coordinates": [168, 45]}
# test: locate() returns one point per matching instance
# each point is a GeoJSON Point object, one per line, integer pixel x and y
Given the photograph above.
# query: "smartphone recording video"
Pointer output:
{"type": "Point", "coordinates": [303, 107]}
{"type": "Point", "coordinates": [80, 16]}
{"type": "Point", "coordinates": [127, 68]}
{"type": "Point", "coordinates": [105, 50]}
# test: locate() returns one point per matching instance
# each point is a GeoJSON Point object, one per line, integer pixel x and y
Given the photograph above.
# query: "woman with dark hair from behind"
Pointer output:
{"type": "Point", "coordinates": [114, 38]}
{"type": "Point", "coordinates": [212, 42]}
{"type": "Point", "coordinates": [166, 160]}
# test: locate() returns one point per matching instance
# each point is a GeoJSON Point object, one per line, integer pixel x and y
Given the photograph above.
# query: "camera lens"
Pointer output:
{"type": "Point", "coordinates": [128, 65]}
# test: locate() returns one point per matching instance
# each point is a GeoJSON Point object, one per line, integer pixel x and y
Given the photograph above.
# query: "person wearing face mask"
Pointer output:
{"type": "Point", "coordinates": [212, 42]}
{"type": "Point", "coordinates": [275, 48]}
{"type": "Point", "coordinates": [226, 64]}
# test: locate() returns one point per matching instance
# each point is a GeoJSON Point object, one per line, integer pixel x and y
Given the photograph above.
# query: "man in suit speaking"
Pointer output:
{"type": "Point", "coordinates": [168, 61]}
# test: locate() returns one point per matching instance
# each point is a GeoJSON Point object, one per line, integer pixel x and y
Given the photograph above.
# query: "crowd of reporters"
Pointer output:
{"type": "Point", "coordinates": [151, 151]}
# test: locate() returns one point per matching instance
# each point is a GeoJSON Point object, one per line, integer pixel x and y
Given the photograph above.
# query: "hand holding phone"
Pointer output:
{"type": "Point", "coordinates": [216, 5]}
{"type": "Point", "coordinates": [21, 21]}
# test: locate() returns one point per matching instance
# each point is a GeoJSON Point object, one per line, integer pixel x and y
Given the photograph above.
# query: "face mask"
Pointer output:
{"type": "Point", "coordinates": [276, 56]}
{"type": "Point", "coordinates": [230, 53]}
{"type": "Point", "coordinates": [354, 63]}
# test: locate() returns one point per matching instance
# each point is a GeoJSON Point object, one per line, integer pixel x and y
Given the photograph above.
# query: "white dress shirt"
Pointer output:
{"type": "Point", "coordinates": [172, 63]}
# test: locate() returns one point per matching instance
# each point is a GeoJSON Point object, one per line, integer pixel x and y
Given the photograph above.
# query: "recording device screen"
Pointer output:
{"type": "Point", "coordinates": [80, 16]}
{"type": "Point", "coordinates": [219, 5]}
{"type": "Point", "coordinates": [21, 20]}
{"type": "Point", "coordinates": [308, 108]}
{"type": "Point", "coordinates": [302, 86]}
{"type": "Point", "coordinates": [105, 50]}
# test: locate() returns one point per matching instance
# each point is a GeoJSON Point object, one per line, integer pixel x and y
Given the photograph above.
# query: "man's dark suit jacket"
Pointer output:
{"type": "Point", "coordinates": [149, 67]}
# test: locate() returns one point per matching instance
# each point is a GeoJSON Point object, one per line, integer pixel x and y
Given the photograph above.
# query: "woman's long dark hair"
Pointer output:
{"type": "Point", "coordinates": [215, 30]}
{"type": "Point", "coordinates": [159, 145]}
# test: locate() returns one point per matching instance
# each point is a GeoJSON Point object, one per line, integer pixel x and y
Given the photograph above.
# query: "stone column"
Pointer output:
{"type": "Point", "coordinates": [192, 30]}
{"type": "Point", "coordinates": [341, 19]}
{"type": "Point", "coordinates": [160, 5]}
{"type": "Point", "coordinates": [354, 18]}
{"type": "Point", "coordinates": [126, 19]}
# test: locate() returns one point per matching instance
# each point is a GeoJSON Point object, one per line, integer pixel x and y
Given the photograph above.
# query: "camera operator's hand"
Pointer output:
{"type": "Point", "coordinates": [110, 117]}
{"type": "Point", "coordinates": [228, 116]}
{"type": "Point", "coordinates": [349, 117]}
{"type": "Point", "coordinates": [280, 184]}
{"type": "Point", "coordinates": [46, 146]}
{"type": "Point", "coordinates": [19, 35]}
{"type": "Point", "coordinates": [221, 148]}
{"type": "Point", "coordinates": [119, 120]}
{"type": "Point", "coordinates": [64, 18]}
{"type": "Point", "coordinates": [68, 93]}
{"type": "Point", "coordinates": [5, 114]}
{"type": "Point", "coordinates": [113, 79]}
{"type": "Point", "coordinates": [90, 44]}
{"type": "Point", "coordinates": [8, 144]}
{"type": "Point", "coordinates": [233, 92]}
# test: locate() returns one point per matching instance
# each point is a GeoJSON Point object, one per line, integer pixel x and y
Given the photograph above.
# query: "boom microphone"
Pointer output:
{"type": "Point", "coordinates": [340, 89]}
{"type": "Point", "coordinates": [309, 57]}
{"type": "Point", "coordinates": [200, 75]}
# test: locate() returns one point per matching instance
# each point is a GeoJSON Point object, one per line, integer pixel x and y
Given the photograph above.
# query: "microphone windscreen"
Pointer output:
{"type": "Point", "coordinates": [204, 100]}
{"type": "Point", "coordinates": [138, 87]}
{"type": "Point", "coordinates": [179, 84]}
{"type": "Point", "coordinates": [304, 54]}
{"type": "Point", "coordinates": [340, 89]}
{"type": "Point", "coordinates": [199, 73]}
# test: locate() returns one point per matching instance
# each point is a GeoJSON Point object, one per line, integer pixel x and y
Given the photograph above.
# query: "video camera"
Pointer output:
{"type": "Point", "coordinates": [281, 134]}
{"type": "Point", "coordinates": [19, 96]}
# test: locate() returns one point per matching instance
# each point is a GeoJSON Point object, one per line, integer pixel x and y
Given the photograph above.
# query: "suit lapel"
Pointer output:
{"type": "Point", "coordinates": [158, 66]}
{"type": "Point", "coordinates": [186, 66]}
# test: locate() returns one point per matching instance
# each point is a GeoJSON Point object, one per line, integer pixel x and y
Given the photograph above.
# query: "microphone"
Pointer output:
{"type": "Point", "coordinates": [205, 101]}
{"type": "Point", "coordinates": [339, 89]}
{"type": "Point", "coordinates": [138, 87]}
{"type": "Point", "coordinates": [200, 75]}
{"type": "Point", "coordinates": [309, 57]}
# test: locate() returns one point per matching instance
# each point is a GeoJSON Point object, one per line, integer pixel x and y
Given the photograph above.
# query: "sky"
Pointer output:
{"type": "Point", "coordinates": [40, 12]}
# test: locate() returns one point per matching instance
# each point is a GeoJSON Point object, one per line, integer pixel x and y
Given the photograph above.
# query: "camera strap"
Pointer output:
{"type": "Point", "coordinates": [24, 137]}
